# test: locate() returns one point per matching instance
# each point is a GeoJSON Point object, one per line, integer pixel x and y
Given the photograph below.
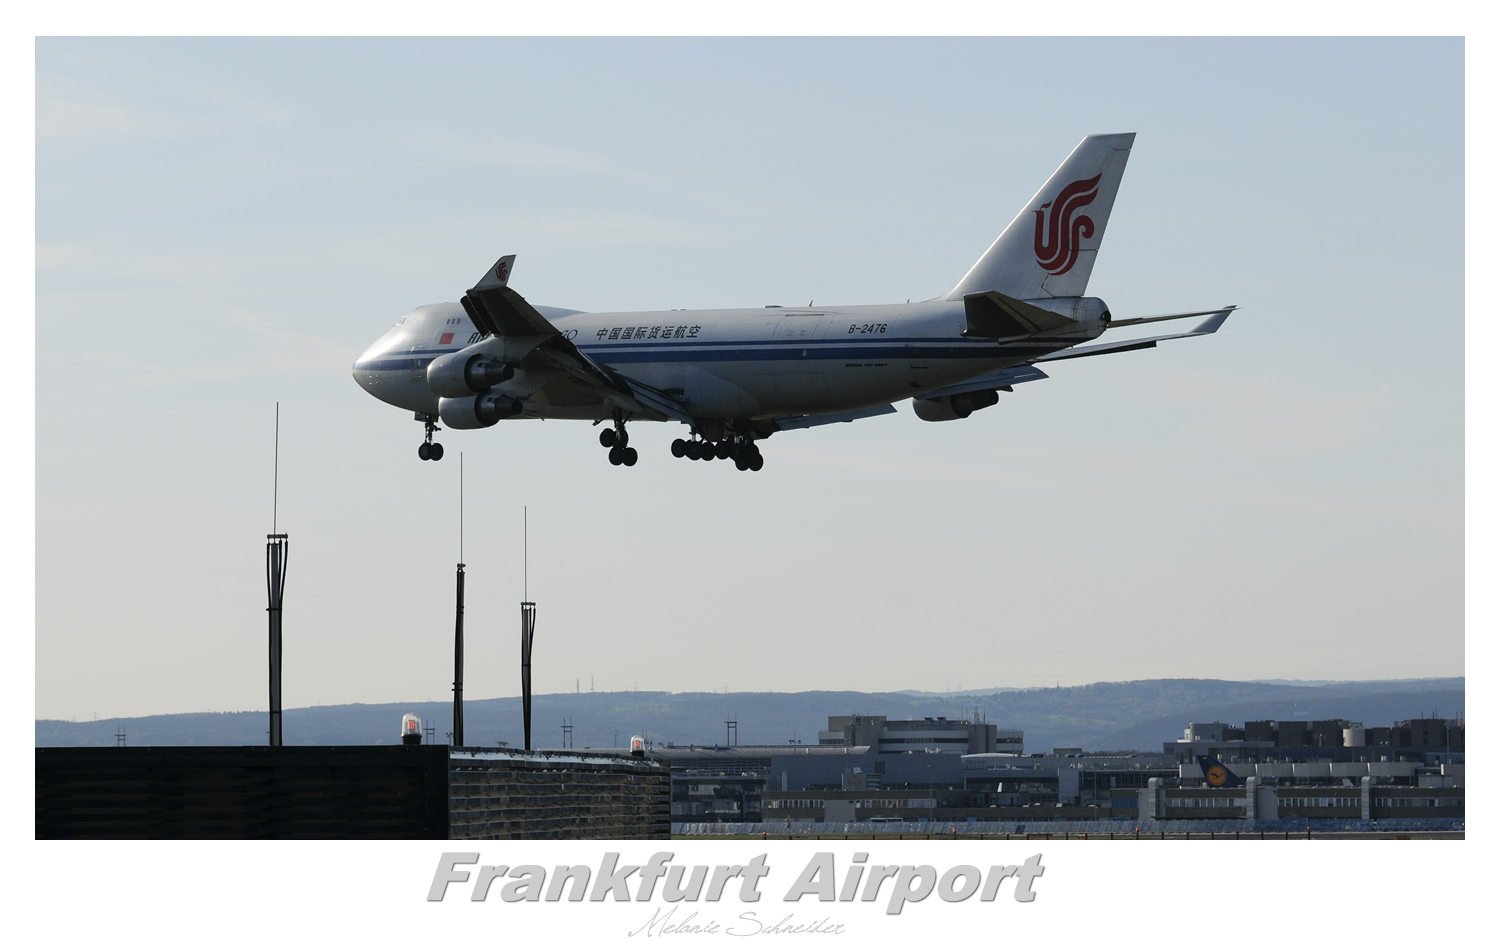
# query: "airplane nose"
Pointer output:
{"type": "Point", "coordinates": [366, 370]}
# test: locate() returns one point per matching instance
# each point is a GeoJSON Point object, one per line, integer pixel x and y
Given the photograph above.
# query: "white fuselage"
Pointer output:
{"type": "Point", "coordinates": [742, 364]}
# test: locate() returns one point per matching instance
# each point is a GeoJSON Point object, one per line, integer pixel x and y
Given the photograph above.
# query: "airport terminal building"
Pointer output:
{"type": "Point", "coordinates": [868, 768]}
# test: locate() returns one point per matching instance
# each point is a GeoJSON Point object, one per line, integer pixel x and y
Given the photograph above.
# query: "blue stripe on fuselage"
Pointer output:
{"type": "Point", "coordinates": [773, 350]}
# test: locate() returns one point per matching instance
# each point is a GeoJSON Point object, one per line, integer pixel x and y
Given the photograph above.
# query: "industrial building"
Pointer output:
{"type": "Point", "coordinates": [1340, 740]}
{"type": "Point", "coordinates": [927, 735]}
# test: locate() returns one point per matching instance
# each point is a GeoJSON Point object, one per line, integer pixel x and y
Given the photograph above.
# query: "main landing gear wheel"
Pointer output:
{"type": "Point", "coordinates": [428, 450]}
{"type": "Point", "coordinates": [742, 450]}
{"type": "Point", "coordinates": [618, 442]}
{"type": "Point", "coordinates": [747, 456]}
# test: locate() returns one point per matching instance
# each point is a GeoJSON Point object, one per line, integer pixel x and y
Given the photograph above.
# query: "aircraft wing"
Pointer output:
{"type": "Point", "coordinates": [1208, 326]}
{"type": "Point", "coordinates": [788, 422]}
{"type": "Point", "coordinates": [1003, 379]}
{"type": "Point", "coordinates": [496, 309]}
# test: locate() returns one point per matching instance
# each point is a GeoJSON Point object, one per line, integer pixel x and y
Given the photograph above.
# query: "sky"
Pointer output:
{"type": "Point", "coordinates": [222, 225]}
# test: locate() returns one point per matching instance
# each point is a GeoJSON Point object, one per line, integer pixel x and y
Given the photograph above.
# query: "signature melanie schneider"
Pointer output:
{"type": "Point", "coordinates": [747, 923]}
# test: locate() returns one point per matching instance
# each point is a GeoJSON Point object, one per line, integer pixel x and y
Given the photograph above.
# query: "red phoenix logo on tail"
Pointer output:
{"type": "Point", "coordinates": [1058, 233]}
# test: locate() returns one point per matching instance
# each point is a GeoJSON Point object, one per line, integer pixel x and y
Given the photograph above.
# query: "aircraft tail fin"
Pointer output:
{"type": "Point", "coordinates": [1217, 774]}
{"type": "Point", "coordinates": [1049, 248]}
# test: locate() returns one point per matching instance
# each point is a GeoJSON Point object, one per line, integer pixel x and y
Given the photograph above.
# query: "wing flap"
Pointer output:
{"type": "Point", "coordinates": [788, 422]}
{"type": "Point", "coordinates": [991, 381]}
{"type": "Point", "coordinates": [660, 402]}
{"type": "Point", "coordinates": [497, 309]}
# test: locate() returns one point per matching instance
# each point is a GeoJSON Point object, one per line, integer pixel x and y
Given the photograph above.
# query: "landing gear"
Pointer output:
{"type": "Point", "coordinates": [747, 456]}
{"type": "Point", "coordinates": [618, 442]}
{"type": "Point", "coordinates": [429, 450]}
{"type": "Point", "coordinates": [739, 448]}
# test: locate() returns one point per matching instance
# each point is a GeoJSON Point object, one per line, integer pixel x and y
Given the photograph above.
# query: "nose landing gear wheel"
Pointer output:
{"type": "Point", "coordinates": [437, 451]}
{"type": "Point", "coordinates": [424, 451]}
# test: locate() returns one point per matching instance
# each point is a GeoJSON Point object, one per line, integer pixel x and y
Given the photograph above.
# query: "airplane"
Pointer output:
{"type": "Point", "coordinates": [1217, 774]}
{"type": "Point", "coordinates": [735, 377]}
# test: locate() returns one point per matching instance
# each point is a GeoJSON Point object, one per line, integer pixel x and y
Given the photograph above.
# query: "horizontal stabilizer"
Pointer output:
{"type": "Point", "coordinates": [991, 381]}
{"type": "Point", "coordinates": [993, 315]}
{"type": "Point", "coordinates": [788, 422]}
{"type": "Point", "coordinates": [1118, 323]}
{"type": "Point", "coordinates": [1207, 327]}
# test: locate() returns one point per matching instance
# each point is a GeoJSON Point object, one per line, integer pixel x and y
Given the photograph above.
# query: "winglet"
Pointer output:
{"type": "Point", "coordinates": [498, 275]}
{"type": "Point", "coordinates": [1212, 323]}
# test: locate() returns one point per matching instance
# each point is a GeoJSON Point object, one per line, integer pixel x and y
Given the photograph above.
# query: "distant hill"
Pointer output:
{"type": "Point", "coordinates": [1131, 715]}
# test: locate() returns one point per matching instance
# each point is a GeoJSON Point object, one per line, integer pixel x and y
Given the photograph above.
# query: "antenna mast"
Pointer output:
{"type": "Point", "coordinates": [276, 557]}
{"type": "Point", "coordinates": [528, 628]}
{"type": "Point", "coordinates": [458, 621]}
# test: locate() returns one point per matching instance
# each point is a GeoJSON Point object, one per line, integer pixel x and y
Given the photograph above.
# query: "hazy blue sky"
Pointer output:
{"type": "Point", "coordinates": [222, 224]}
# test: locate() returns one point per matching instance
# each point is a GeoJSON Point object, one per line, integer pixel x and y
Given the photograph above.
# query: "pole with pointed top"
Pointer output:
{"type": "Point", "coordinates": [276, 556]}
{"type": "Point", "coordinates": [458, 621]}
{"type": "Point", "coordinates": [528, 629]}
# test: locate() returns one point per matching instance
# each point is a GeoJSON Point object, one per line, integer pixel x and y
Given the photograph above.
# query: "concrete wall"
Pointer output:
{"type": "Point", "coordinates": [242, 792]}
{"type": "Point", "coordinates": [390, 792]}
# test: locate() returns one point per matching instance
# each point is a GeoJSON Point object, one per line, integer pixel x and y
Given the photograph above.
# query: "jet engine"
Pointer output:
{"type": "Point", "coordinates": [953, 407]}
{"type": "Point", "coordinates": [465, 373]}
{"type": "Point", "coordinates": [476, 411]}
